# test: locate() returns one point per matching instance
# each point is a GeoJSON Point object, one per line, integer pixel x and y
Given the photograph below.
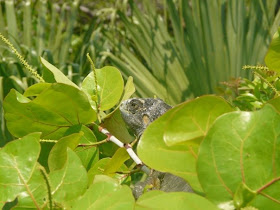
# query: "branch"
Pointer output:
{"type": "Point", "coordinates": [128, 148]}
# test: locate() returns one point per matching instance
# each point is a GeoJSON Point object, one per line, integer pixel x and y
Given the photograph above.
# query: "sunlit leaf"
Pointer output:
{"type": "Point", "coordinates": [52, 112]}
{"type": "Point", "coordinates": [173, 200]}
{"type": "Point", "coordinates": [37, 185]}
{"type": "Point", "coordinates": [18, 160]}
{"type": "Point", "coordinates": [272, 57]}
{"type": "Point", "coordinates": [110, 87]}
{"type": "Point", "coordinates": [89, 155]}
{"type": "Point", "coordinates": [53, 74]}
{"type": "Point", "coordinates": [58, 154]}
{"type": "Point", "coordinates": [106, 193]}
{"type": "Point", "coordinates": [179, 160]}
{"type": "Point", "coordinates": [191, 120]}
{"type": "Point", "coordinates": [104, 164]}
{"type": "Point", "coordinates": [242, 147]}
{"type": "Point", "coordinates": [69, 182]}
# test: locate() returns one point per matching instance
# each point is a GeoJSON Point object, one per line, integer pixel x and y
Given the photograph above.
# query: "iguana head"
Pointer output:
{"type": "Point", "coordinates": [138, 113]}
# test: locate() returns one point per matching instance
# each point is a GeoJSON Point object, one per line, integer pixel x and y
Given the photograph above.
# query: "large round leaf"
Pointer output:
{"type": "Point", "coordinates": [174, 201]}
{"type": "Point", "coordinates": [69, 182]}
{"type": "Point", "coordinates": [89, 155]}
{"type": "Point", "coordinates": [179, 160]}
{"type": "Point", "coordinates": [110, 87]}
{"type": "Point", "coordinates": [55, 108]}
{"type": "Point", "coordinates": [176, 136]}
{"type": "Point", "coordinates": [58, 154]}
{"type": "Point", "coordinates": [18, 160]}
{"type": "Point", "coordinates": [192, 119]}
{"type": "Point", "coordinates": [242, 147]}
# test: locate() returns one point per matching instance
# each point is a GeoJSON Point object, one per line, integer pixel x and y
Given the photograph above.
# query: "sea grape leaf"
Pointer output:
{"type": "Point", "coordinates": [100, 167]}
{"type": "Point", "coordinates": [242, 147]}
{"type": "Point", "coordinates": [117, 127]}
{"type": "Point", "coordinates": [52, 74]}
{"type": "Point", "coordinates": [69, 182]}
{"type": "Point", "coordinates": [116, 161]}
{"type": "Point", "coordinates": [110, 87]}
{"type": "Point", "coordinates": [243, 196]}
{"type": "Point", "coordinates": [272, 57]}
{"type": "Point", "coordinates": [192, 119]}
{"type": "Point", "coordinates": [89, 155]}
{"type": "Point", "coordinates": [58, 154]}
{"type": "Point", "coordinates": [275, 102]}
{"type": "Point", "coordinates": [173, 200]}
{"type": "Point", "coordinates": [37, 185]}
{"type": "Point", "coordinates": [129, 88]}
{"type": "Point", "coordinates": [105, 193]}
{"type": "Point", "coordinates": [18, 161]}
{"type": "Point", "coordinates": [52, 112]}
{"type": "Point", "coordinates": [154, 152]}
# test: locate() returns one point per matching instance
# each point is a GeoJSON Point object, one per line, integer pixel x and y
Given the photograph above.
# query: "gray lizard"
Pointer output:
{"type": "Point", "coordinates": [138, 113]}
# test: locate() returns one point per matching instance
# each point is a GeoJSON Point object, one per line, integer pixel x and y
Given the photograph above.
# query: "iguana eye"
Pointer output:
{"type": "Point", "coordinates": [135, 105]}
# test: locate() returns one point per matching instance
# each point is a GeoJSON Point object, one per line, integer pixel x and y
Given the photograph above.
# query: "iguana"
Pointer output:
{"type": "Point", "coordinates": [138, 113]}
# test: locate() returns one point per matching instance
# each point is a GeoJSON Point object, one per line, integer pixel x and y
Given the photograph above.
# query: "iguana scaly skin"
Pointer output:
{"type": "Point", "coordinates": [138, 113]}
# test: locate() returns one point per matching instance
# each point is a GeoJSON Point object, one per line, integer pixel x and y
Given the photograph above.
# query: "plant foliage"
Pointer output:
{"type": "Point", "coordinates": [61, 159]}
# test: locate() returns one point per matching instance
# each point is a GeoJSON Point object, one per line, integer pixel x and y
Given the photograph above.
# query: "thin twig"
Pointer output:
{"type": "Point", "coordinates": [128, 148]}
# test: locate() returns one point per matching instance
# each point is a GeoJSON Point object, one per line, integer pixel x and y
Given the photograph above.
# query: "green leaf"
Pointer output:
{"type": "Point", "coordinates": [275, 103]}
{"type": "Point", "coordinates": [272, 57]}
{"type": "Point", "coordinates": [242, 147]}
{"type": "Point", "coordinates": [117, 161]}
{"type": "Point", "coordinates": [18, 161]}
{"type": "Point", "coordinates": [37, 185]}
{"type": "Point", "coordinates": [243, 196]}
{"type": "Point", "coordinates": [129, 88]}
{"type": "Point", "coordinates": [110, 86]}
{"type": "Point", "coordinates": [105, 193]}
{"type": "Point", "coordinates": [100, 167]}
{"type": "Point", "coordinates": [170, 137]}
{"type": "Point", "coordinates": [191, 120]}
{"type": "Point", "coordinates": [172, 200]}
{"type": "Point", "coordinates": [69, 182]}
{"type": "Point", "coordinates": [52, 112]}
{"type": "Point", "coordinates": [117, 127]}
{"type": "Point", "coordinates": [58, 154]}
{"type": "Point", "coordinates": [89, 155]}
{"type": "Point", "coordinates": [53, 74]}
{"type": "Point", "coordinates": [179, 160]}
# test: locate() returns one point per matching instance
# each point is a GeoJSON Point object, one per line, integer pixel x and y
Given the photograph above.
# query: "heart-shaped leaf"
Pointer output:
{"type": "Point", "coordinates": [52, 112]}
{"type": "Point", "coordinates": [242, 147]}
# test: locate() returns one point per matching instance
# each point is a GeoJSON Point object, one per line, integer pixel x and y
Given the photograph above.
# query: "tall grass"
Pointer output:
{"type": "Point", "coordinates": [193, 45]}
